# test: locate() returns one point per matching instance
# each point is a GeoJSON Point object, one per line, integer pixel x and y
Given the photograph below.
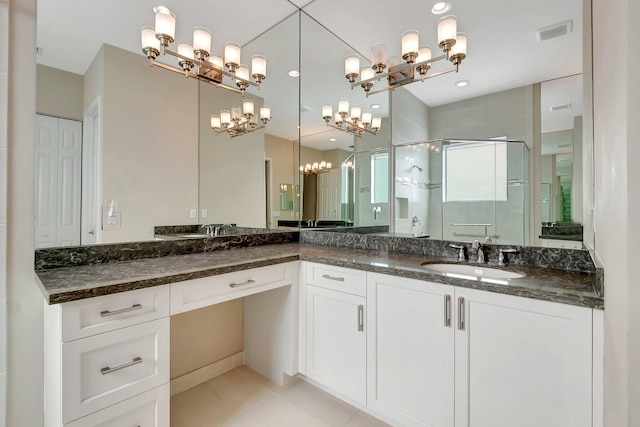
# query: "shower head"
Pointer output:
{"type": "Point", "coordinates": [417, 167]}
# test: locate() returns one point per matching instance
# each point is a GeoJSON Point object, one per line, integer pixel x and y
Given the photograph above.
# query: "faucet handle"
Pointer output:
{"type": "Point", "coordinates": [501, 258]}
{"type": "Point", "coordinates": [460, 248]}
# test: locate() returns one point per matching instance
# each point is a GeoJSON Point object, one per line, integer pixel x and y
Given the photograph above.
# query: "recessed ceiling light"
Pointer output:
{"type": "Point", "coordinates": [462, 83]}
{"type": "Point", "coordinates": [294, 73]}
{"type": "Point", "coordinates": [332, 139]}
{"type": "Point", "coordinates": [441, 7]}
{"type": "Point", "coordinates": [375, 106]}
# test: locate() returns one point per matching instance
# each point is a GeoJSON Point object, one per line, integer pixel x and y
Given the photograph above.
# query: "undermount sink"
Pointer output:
{"type": "Point", "coordinates": [473, 272]}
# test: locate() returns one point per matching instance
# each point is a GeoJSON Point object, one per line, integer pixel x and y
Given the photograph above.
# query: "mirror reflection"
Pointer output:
{"type": "Point", "coordinates": [149, 156]}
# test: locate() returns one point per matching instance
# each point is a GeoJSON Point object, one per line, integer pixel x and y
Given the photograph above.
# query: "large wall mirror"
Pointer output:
{"type": "Point", "coordinates": [162, 165]}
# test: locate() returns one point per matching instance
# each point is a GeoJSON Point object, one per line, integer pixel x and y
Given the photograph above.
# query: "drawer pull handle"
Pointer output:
{"type": "Point", "coordinates": [461, 313]}
{"type": "Point", "coordinates": [360, 318]}
{"type": "Point", "coordinates": [447, 311]}
{"type": "Point", "coordinates": [338, 279]}
{"type": "Point", "coordinates": [248, 282]}
{"type": "Point", "coordinates": [108, 370]}
{"type": "Point", "coordinates": [107, 313]}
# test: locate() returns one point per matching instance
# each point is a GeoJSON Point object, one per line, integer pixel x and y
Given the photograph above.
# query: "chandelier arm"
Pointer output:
{"type": "Point", "coordinates": [193, 76]}
{"type": "Point", "coordinates": [209, 66]}
{"type": "Point", "coordinates": [218, 132]}
{"type": "Point", "coordinates": [351, 131]}
{"type": "Point", "coordinates": [430, 76]}
{"type": "Point", "coordinates": [404, 65]}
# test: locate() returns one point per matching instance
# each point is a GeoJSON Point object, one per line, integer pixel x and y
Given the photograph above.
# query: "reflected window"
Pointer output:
{"type": "Point", "coordinates": [475, 172]}
{"type": "Point", "coordinates": [380, 178]}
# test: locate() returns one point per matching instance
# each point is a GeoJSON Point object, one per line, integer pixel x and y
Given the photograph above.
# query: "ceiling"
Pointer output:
{"type": "Point", "coordinates": [503, 51]}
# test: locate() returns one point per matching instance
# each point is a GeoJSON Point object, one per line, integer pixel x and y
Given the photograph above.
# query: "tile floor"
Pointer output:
{"type": "Point", "coordinates": [244, 398]}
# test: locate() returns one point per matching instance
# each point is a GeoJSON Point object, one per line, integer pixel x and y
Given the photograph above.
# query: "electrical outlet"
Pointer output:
{"type": "Point", "coordinates": [204, 213]}
{"type": "Point", "coordinates": [192, 213]}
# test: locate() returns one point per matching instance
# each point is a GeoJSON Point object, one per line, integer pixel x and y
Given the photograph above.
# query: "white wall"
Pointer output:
{"type": "Point", "coordinates": [150, 145]}
{"type": "Point", "coordinates": [616, 92]}
{"type": "Point", "coordinates": [232, 179]}
{"type": "Point", "coordinates": [59, 93]}
{"type": "Point", "coordinates": [4, 102]}
{"type": "Point", "coordinates": [24, 300]}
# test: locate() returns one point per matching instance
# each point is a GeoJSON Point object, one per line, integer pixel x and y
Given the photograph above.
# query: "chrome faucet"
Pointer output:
{"type": "Point", "coordinates": [208, 229]}
{"type": "Point", "coordinates": [415, 221]}
{"type": "Point", "coordinates": [376, 211]}
{"type": "Point", "coordinates": [477, 246]}
{"type": "Point", "coordinates": [460, 249]}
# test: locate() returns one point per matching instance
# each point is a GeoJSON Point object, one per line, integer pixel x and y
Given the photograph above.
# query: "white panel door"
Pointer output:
{"type": "Point", "coordinates": [58, 181]}
{"type": "Point", "coordinates": [521, 362]}
{"type": "Point", "coordinates": [46, 181]}
{"type": "Point", "coordinates": [69, 182]}
{"type": "Point", "coordinates": [410, 350]}
{"type": "Point", "coordinates": [336, 341]}
{"type": "Point", "coordinates": [329, 195]}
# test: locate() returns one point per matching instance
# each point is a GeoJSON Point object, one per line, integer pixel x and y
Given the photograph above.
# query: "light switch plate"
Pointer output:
{"type": "Point", "coordinates": [192, 213]}
{"type": "Point", "coordinates": [105, 219]}
{"type": "Point", "coordinates": [204, 213]}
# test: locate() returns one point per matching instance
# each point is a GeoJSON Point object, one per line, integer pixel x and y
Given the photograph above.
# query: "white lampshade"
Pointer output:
{"type": "Point", "coordinates": [307, 167]}
{"type": "Point", "coordinates": [356, 110]}
{"type": "Point", "coordinates": [185, 49]}
{"type": "Point", "coordinates": [366, 118]}
{"type": "Point", "coordinates": [367, 73]}
{"type": "Point", "coordinates": [232, 55]}
{"type": "Point", "coordinates": [424, 53]}
{"type": "Point", "coordinates": [338, 117]}
{"type": "Point", "coordinates": [165, 22]}
{"type": "Point", "coordinates": [148, 38]}
{"type": "Point", "coordinates": [315, 166]}
{"type": "Point", "coordinates": [376, 122]}
{"type": "Point", "coordinates": [236, 113]}
{"type": "Point", "coordinates": [265, 112]}
{"type": "Point", "coordinates": [225, 117]}
{"type": "Point", "coordinates": [379, 56]}
{"type": "Point", "coordinates": [258, 66]}
{"type": "Point", "coordinates": [215, 122]}
{"type": "Point", "coordinates": [343, 105]}
{"type": "Point", "coordinates": [217, 61]}
{"type": "Point", "coordinates": [447, 28]}
{"type": "Point", "coordinates": [327, 111]}
{"type": "Point", "coordinates": [323, 164]}
{"type": "Point", "coordinates": [461, 45]}
{"type": "Point", "coordinates": [247, 107]}
{"type": "Point", "coordinates": [243, 72]}
{"type": "Point", "coordinates": [329, 165]}
{"type": "Point", "coordinates": [202, 40]}
{"type": "Point", "coordinates": [351, 65]}
{"type": "Point", "coordinates": [410, 43]}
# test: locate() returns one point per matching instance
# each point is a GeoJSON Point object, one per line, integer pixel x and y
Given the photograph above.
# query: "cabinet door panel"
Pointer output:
{"type": "Point", "coordinates": [336, 341]}
{"type": "Point", "coordinates": [410, 351]}
{"type": "Point", "coordinates": [522, 362]}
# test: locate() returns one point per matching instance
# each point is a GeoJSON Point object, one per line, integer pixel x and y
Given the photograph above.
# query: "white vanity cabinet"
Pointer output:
{"type": "Point", "coordinates": [410, 350]}
{"type": "Point", "coordinates": [101, 352]}
{"type": "Point", "coordinates": [335, 329]}
{"type": "Point", "coordinates": [521, 362]}
{"type": "Point", "coordinates": [441, 356]}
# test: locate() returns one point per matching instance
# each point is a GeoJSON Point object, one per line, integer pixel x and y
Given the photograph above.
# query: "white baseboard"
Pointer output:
{"type": "Point", "coordinates": [192, 379]}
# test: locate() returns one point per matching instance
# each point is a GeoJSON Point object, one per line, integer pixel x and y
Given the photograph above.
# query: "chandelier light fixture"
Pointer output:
{"type": "Point", "coordinates": [315, 167]}
{"type": "Point", "coordinates": [417, 59]}
{"type": "Point", "coordinates": [239, 121]}
{"type": "Point", "coordinates": [357, 123]}
{"type": "Point", "coordinates": [195, 60]}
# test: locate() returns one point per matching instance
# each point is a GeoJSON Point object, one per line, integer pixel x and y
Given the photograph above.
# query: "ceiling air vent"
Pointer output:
{"type": "Point", "coordinates": [555, 30]}
{"type": "Point", "coordinates": [560, 107]}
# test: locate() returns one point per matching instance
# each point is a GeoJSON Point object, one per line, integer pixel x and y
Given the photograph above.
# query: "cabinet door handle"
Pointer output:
{"type": "Point", "coordinates": [338, 279]}
{"type": "Point", "coordinates": [107, 313]}
{"type": "Point", "coordinates": [461, 313]}
{"type": "Point", "coordinates": [447, 311]}
{"type": "Point", "coordinates": [108, 370]}
{"type": "Point", "coordinates": [360, 318]}
{"type": "Point", "coordinates": [237, 285]}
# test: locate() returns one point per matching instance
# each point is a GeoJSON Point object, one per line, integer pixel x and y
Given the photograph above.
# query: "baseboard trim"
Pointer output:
{"type": "Point", "coordinates": [194, 378]}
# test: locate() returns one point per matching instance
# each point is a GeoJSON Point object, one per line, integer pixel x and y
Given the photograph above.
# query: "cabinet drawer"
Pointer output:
{"type": "Point", "coordinates": [101, 370]}
{"type": "Point", "coordinates": [92, 316]}
{"type": "Point", "coordinates": [337, 278]}
{"type": "Point", "coordinates": [149, 409]}
{"type": "Point", "coordinates": [198, 293]}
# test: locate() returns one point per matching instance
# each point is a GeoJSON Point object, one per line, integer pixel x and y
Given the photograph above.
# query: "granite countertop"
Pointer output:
{"type": "Point", "coordinates": [72, 283]}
